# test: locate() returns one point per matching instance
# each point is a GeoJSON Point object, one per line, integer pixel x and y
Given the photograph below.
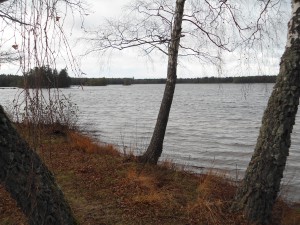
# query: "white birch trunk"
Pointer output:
{"type": "Point", "coordinates": [260, 186]}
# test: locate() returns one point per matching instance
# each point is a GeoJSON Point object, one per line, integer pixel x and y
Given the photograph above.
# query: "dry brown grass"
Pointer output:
{"type": "Point", "coordinates": [88, 145]}
{"type": "Point", "coordinates": [10, 214]}
{"type": "Point", "coordinates": [286, 213]}
{"type": "Point", "coordinates": [103, 188]}
{"type": "Point", "coordinates": [214, 198]}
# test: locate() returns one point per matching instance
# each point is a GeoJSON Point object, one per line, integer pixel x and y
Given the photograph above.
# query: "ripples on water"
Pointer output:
{"type": "Point", "coordinates": [210, 126]}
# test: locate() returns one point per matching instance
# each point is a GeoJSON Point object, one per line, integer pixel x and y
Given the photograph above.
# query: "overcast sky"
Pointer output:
{"type": "Point", "coordinates": [131, 63]}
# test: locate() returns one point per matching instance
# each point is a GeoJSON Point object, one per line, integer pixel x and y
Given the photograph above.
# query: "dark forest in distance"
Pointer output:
{"type": "Point", "coordinates": [18, 81]}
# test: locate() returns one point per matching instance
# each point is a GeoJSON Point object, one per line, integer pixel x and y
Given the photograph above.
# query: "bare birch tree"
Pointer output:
{"type": "Point", "coordinates": [156, 144]}
{"type": "Point", "coordinates": [208, 28]}
{"type": "Point", "coordinates": [261, 184]}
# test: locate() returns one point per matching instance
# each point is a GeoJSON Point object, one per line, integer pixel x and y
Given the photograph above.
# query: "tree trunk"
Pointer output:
{"type": "Point", "coordinates": [261, 184]}
{"type": "Point", "coordinates": [29, 182]}
{"type": "Point", "coordinates": [156, 144]}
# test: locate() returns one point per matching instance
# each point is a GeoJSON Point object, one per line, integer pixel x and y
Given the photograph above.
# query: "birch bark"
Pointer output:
{"type": "Point", "coordinates": [261, 184]}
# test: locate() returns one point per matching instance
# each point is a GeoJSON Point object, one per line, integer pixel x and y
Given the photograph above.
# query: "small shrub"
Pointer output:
{"type": "Point", "coordinates": [45, 107]}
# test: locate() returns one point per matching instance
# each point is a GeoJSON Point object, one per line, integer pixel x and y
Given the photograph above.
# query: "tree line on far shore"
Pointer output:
{"type": "Point", "coordinates": [39, 77]}
{"type": "Point", "coordinates": [46, 77]}
{"type": "Point", "coordinates": [212, 80]}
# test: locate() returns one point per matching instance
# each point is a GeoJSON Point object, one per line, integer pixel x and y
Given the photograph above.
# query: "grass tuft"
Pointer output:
{"type": "Point", "coordinates": [86, 144]}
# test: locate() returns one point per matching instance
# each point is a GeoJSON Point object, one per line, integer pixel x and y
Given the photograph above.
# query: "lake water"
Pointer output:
{"type": "Point", "coordinates": [210, 125]}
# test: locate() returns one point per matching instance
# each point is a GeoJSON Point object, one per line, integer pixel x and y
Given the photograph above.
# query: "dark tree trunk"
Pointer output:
{"type": "Point", "coordinates": [261, 184]}
{"type": "Point", "coordinates": [29, 182]}
{"type": "Point", "coordinates": [156, 144]}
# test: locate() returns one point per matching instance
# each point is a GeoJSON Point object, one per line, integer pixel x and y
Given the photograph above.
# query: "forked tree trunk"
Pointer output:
{"type": "Point", "coordinates": [29, 182]}
{"type": "Point", "coordinates": [261, 184]}
{"type": "Point", "coordinates": [155, 147]}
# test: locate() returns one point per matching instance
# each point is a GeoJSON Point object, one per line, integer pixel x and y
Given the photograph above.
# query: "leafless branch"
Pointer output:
{"type": "Point", "coordinates": [35, 30]}
{"type": "Point", "coordinates": [208, 26]}
{"type": "Point", "coordinates": [8, 57]}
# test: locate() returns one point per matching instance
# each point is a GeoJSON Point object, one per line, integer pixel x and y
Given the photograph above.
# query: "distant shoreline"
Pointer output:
{"type": "Point", "coordinates": [202, 80]}
{"type": "Point", "coordinates": [13, 81]}
{"type": "Point", "coordinates": [8, 87]}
